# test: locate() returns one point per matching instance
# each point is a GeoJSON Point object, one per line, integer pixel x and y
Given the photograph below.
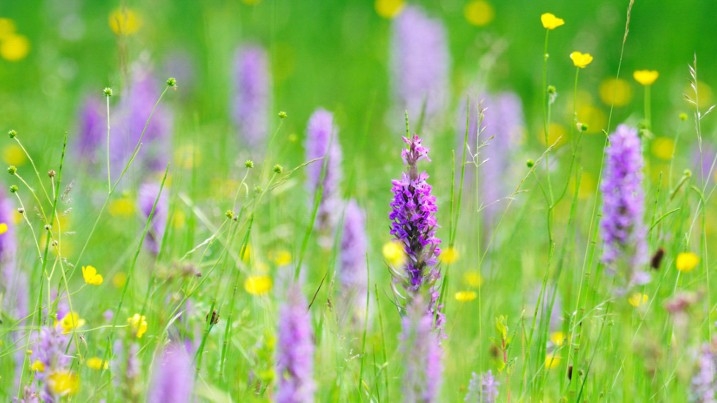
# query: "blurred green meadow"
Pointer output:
{"type": "Point", "coordinates": [235, 235]}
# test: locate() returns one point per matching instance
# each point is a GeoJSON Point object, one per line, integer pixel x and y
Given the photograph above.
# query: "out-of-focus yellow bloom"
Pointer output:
{"type": "Point", "coordinates": [465, 296]}
{"type": "Point", "coordinates": [138, 325]}
{"type": "Point", "coordinates": [258, 284]}
{"type": "Point", "coordinates": [473, 278]}
{"type": "Point", "coordinates": [119, 279]}
{"type": "Point", "coordinates": [581, 60]}
{"type": "Point", "coordinates": [89, 273]}
{"type": "Point", "coordinates": [637, 299]}
{"type": "Point", "coordinates": [37, 366]}
{"type": "Point", "coordinates": [663, 148]}
{"type": "Point", "coordinates": [449, 255]}
{"type": "Point", "coordinates": [7, 28]}
{"type": "Point", "coordinates": [187, 157]}
{"type": "Point", "coordinates": [394, 254]}
{"type": "Point", "coordinates": [593, 117]}
{"type": "Point", "coordinates": [97, 363]}
{"type": "Point", "coordinates": [479, 13]}
{"type": "Point", "coordinates": [12, 154]}
{"type": "Point", "coordinates": [124, 21]}
{"type": "Point", "coordinates": [70, 322]}
{"type": "Point", "coordinates": [615, 91]}
{"type": "Point", "coordinates": [687, 261]}
{"type": "Point", "coordinates": [704, 94]}
{"type": "Point", "coordinates": [552, 360]}
{"type": "Point", "coordinates": [557, 135]}
{"type": "Point", "coordinates": [3, 228]}
{"type": "Point", "coordinates": [63, 383]}
{"type": "Point", "coordinates": [550, 21]}
{"type": "Point", "coordinates": [245, 253]}
{"type": "Point", "coordinates": [645, 77]}
{"type": "Point", "coordinates": [557, 338]}
{"type": "Point", "coordinates": [389, 8]}
{"type": "Point", "coordinates": [178, 219]}
{"type": "Point", "coordinates": [281, 257]}
{"type": "Point", "coordinates": [122, 207]}
{"type": "Point", "coordinates": [15, 47]}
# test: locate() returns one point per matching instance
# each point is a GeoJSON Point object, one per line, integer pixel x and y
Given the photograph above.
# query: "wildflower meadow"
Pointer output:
{"type": "Point", "coordinates": [358, 201]}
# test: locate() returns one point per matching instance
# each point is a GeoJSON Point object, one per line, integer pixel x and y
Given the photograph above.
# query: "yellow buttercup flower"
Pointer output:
{"type": "Point", "coordinates": [448, 255]}
{"type": "Point", "coordinates": [138, 325]}
{"type": "Point", "coordinates": [581, 60]}
{"type": "Point", "coordinates": [389, 8]}
{"type": "Point", "coordinates": [70, 322]}
{"type": "Point", "coordinates": [645, 77]}
{"type": "Point", "coordinates": [394, 254]}
{"type": "Point", "coordinates": [550, 21]}
{"type": "Point", "coordinates": [258, 284]}
{"type": "Point", "coordinates": [89, 273]}
{"type": "Point", "coordinates": [63, 383]}
{"type": "Point", "coordinates": [479, 13]}
{"type": "Point", "coordinates": [14, 48]}
{"type": "Point", "coordinates": [637, 299]}
{"type": "Point", "coordinates": [3, 228]}
{"type": "Point", "coordinates": [465, 296]}
{"type": "Point", "coordinates": [97, 363]}
{"type": "Point", "coordinates": [687, 261]}
{"type": "Point", "coordinates": [124, 21]}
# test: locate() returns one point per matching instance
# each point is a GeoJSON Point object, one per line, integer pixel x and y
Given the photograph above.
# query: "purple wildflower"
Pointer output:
{"type": "Point", "coordinates": [251, 100]}
{"type": "Point", "coordinates": [173, 378]}
{"type": "Point", "coordinates": [133, 115]}
{"type": "Point", "coordinates": [14, 281]}
{"type": "Point", "coordinates": [419, 64]}
{"type": "Point", "coordinates": [703, 387]}
{"type": "Point", "coordinates": [422, 352]}
{"type": "Point", "coordinates": [92, 131]}
{"type": "Point", "coordinates": [295, 351]}
{"type": "Point", "coordinates": [413, 223]}
{"type": "Point", "coordinates": [482, 388]}
{"type": "Point", "coordinates": [623, 229]}
{"type": "Point", "coordinates": [324, 176]}
{"type": "Point", "coordinates": [49, 354]}
{"type": "Point", "coordinates": [352, 274]}
{"type": "Point", "coordinates": [147, 196]}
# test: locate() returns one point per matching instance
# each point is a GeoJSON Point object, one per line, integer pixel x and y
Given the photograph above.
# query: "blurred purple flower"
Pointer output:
{"type": "Point", "coordinates": [352, 273]}
{"type": "Point", "coordinates": [92, 132]}
{"type": "Point", "coordinates": [622, 225]}
{"type": "Point", "coordinates": [251, 99]}
{"type": "Point", "coordinates": [703, 387]}
{"type": "Point", "coordinates": [148, 194]}
{"type": "Point", "coordinates": [324, 175]}
{"type": "Point", "coordinates": [482, 388]}
{"type": "Point", "coordinates": [295, 351]}
{"type": "Point", "coordinates": [173, 376]}
{"type": "Point", "coordinates": [492, 147]}
{"type": "Point", "coordinates": [422, 352]}
{"type": "Point", "coordinates": [413, 223]}
{"type": "Point", "coordinates": [420, 64]}
{"type": "Point", "coordinates": [133, 115]}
